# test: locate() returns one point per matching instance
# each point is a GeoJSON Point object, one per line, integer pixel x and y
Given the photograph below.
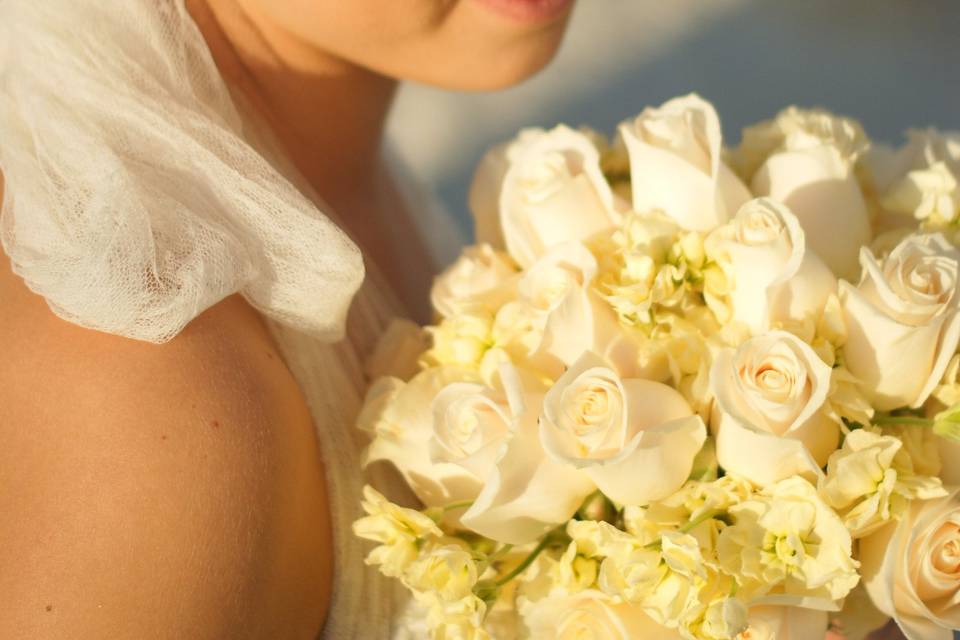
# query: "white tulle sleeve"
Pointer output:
{"type": "Point", "coordinates": [133, 200]}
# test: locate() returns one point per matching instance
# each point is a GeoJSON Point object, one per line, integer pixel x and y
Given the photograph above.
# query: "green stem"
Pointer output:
{"type": "Point", "coordinates": [520, 568]}
{"type": "Point", "coordinates": [493, 557]}
{"type": "Point", "coordinates": [463, 504]}
{"type": "Point", "coordinates": [703, 517]}
{"type": "Point", "coordinates": [902, 420]}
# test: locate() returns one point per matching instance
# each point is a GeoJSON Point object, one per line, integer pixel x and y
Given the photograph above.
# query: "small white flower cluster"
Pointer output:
{"type": "Point", "coordinates": [678, 391]}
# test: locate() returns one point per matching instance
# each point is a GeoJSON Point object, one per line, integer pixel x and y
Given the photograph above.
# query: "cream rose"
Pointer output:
{"type": "Point", "coordinates": [769, 414]}
{"type": "Point", "coordinates": [912, 569]}
{"type": "Point", "coordinates": [636, 439]}
{"type": "Point", "coordinates": [589, 614]}
{"type": "Point", "coordinates": [482, 277]}
{"type": "Point", "coordinates": [676, 166]}
{"type": "Point", "coordinates": [902, 320]}
{"type": "Point", "coordinates": [524, 493]}
{"type": "Point", "coordinates": [569, 316]}
{"type": "Point", "coordinates": [400, 417]}
{"type": "Point", "coordinates": [805, 159]}
{"type": "Point", "coordinates": [548, 188]}
{"type": "Point", "coordinates": [772, 277]}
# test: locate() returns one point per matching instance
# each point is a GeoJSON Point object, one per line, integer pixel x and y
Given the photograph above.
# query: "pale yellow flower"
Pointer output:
{"type": "Point", "coordinates": [576, 572]}
{"type": "Point", "coordinates": [449, 571]}
{"type": "Point", "coordinates": [398, 530]}
{"type": "Point", "coordinates": [720, 617]}
{"type": "Point", "coordinates": [454, 620]}
{"type": "Point", "coordinates": [787, 541]}
{"type": "Point", "coordinates": [930, 194]}
{"type": "Point", "coordinates": [695, 501]}
{"type": "Point", "coordinates": [922, 445]}
{"type": "Point", "coordinates": [628, 569]}
{"type": "Point", "coordinates": [461, 339]}
{"type": "Point", "coordinates": [672, 598]}
{"type": "Point", "coordinates": [871, 481]}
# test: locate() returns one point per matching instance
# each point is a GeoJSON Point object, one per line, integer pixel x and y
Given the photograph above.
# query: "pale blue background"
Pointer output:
{"type": "Point", "coordinates": [891, 63]}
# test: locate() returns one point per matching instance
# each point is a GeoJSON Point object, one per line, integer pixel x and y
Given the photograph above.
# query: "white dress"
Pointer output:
{"type": "Point", "coordinates": [139, 193]}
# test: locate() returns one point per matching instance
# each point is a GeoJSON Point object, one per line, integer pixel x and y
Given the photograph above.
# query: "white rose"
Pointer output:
{"type": "Point", "coordinates": [480, 278]}
{"type": "Point", "coordinates": [570, 316]}
{"type": "Point", "coordinates": [400, 416]}
{"type": "Point", "coordinates": [805, 159]}
{"type": "Point", "coordinates": [772, 276]}
{"type": "Point", "coordinates": [484, 196]}
{"type": "Point", "coordinates": [912, 569]}
{"type": "Point", "coordinates": [548, 189]}
{"type": "Point", "coordinates": [770, 413]}
{"type": "Point", "coordinates": [676, 166]}
{"type": "Point", "coordinates": [636, 439]}
{"type": "Point", "coordinates": [902, 321]}
{"type": "Point", "coordinates": [590, 614]}
{"type": "Point", "coordinates": [525, 493]}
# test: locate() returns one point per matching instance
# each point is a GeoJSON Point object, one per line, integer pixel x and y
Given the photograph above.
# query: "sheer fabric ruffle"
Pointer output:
{"type": "Point", "coordinates": [133, 198]}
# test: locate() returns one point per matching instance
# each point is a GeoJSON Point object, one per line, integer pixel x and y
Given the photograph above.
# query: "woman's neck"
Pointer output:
{"type": "Point", "coordinates": [329, 114]}
{"type": "Point", "coordinates": [329, 117]}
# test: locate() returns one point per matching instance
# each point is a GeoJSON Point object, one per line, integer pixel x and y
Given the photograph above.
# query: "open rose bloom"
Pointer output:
{"type": "Point", "coordinates": [680, 390]}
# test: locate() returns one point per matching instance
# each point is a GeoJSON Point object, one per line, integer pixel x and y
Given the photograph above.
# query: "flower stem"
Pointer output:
{"type": "Point", "coordinates": [520, 568]}
{"type": "Point", "coordinates": [703, 517]}
{"type": "Point", "coordinates": [463, 504]}
{"type": "Point", "coordinates": [902, 420]}
{"type": "Point", "coordinates": [493, 557]}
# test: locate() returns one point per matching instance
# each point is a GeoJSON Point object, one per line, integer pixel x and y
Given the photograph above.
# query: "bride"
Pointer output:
{"type": "Point", "coordinates": [202, 245]}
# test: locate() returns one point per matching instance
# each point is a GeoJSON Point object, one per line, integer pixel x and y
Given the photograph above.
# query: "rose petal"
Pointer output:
{"type": "Point", "coordinates": [527, 494]}
{"type": "Point", "coordinates": [670, 170]}
{"type": "Point", "coordinates": [654, 465]}
{"type": "Point", "coordinates": [762, 458]}
{"type": "Point", "coordinates": [898, 364]}
{"type": "Point", "coordinates": [819, 189]}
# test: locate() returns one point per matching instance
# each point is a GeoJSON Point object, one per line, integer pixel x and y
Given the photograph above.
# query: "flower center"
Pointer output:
{"type": "Point", "coordinates": [594, 404]}
{"type": "Point", "coordinates": [542, 180]}
{"type": "Point", "coordinates": [922, 278]}
{"type": "Point", "coordinates": [785, 551]}
{"type": "Point", "coordinates": [946, 556]}
{"type": "Point", "coordinates": [758, 227]}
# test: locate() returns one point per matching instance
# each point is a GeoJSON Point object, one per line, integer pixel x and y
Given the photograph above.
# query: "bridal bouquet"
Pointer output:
{"type": "Point", "coordinates": [681, 391]}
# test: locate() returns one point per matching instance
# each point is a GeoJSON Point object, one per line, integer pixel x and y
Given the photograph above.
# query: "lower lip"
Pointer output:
{"type": "Point", "coordinates": [530, 10]}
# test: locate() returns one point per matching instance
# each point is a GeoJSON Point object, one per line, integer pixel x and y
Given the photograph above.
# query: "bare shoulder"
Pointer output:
{"type": "Point", "coordinates": [155, 490]}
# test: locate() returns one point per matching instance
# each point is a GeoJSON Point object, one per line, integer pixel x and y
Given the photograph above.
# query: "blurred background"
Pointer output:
{"type": "Point", "coordinates": [893, 64]}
